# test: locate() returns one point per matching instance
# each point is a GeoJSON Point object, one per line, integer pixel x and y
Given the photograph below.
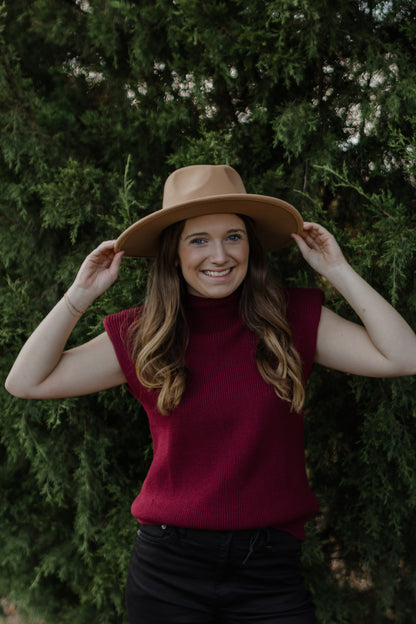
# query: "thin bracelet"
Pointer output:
{"type": "Point", "coordinates": [71, 306]}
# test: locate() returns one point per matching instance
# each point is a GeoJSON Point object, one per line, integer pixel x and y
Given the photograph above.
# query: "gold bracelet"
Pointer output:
{"type": "Point", "coordinates": [74, 311]}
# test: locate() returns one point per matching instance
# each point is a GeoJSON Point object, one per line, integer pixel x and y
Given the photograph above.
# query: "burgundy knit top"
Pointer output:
{"type": "Point", "coordinates": [231, 456]}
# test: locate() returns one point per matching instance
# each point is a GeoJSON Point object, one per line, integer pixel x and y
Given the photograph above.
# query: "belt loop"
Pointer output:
{"type": "Point", "coordinates": [261, 535]}
{"type": "Point", "coordinates": [253, 541]}
{"type": "Point", "coordinates": [268, 538]}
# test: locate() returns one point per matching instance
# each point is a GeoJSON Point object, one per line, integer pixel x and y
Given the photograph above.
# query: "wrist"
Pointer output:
{"type": "Point", "coordinates": [337, 273]}
{"type": "Point", "coordinates": [77, 300]}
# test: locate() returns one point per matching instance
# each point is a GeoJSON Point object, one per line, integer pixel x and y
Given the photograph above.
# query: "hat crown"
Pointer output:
{"type": "Point", "coordinates": [200, 181]}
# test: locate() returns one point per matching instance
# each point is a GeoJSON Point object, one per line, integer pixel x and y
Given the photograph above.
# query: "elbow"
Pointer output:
{"type": "Point", "coordinates": [408, 365]}
{"type": "Point", "coordinates": [15, 389]}
{"type": "Point", "coordinates": [404, 369]}
{"type": "Point", "coordinates": [410, 372]}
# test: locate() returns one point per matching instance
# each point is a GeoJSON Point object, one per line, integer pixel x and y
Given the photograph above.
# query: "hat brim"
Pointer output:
{"type": "Point", "coordinates": [274, 221]}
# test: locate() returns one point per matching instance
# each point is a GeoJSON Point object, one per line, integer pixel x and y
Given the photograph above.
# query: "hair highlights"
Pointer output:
{"type": "Point", "coordinates": [263, 309]}
{"type": "Point", "coordinates": [161, 335]}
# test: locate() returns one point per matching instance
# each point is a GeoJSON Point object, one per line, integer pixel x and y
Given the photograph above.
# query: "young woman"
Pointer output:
{"type": "Point", "coordinates": [219, 357]}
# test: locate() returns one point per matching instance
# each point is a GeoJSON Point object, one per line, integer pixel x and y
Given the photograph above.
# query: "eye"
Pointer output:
{"type": "Point", "coordinates": [197, 241]}
{"type": "Point", "coordinates": [234, 237]}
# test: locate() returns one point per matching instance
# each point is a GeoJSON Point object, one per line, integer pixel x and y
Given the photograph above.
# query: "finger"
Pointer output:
{"type": "Point", "coordinates": [106, 245]}
{"type": "Point", "coordinates": [312, 229]}
{"type": "Point", "coordinates": [318, 235]}
{"type": "Point", "coordinates": [104, 248]}
{"type": "Point", "coordinates": [316, 231]}
{"type": "Point", "coordinates": [301, 243]}
{"type": "Point", "coordinates": [115, 265]}
{"type": "Point", "coordinates": [310, 240]}
{"type": "Point", "coordinates": [316, 227]}
{"type": "Point", "coordinates": [103, 254]}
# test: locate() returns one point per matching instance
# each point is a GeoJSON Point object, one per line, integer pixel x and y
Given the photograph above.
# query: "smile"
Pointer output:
{"type": "Point", "coordinates": [222, 273]}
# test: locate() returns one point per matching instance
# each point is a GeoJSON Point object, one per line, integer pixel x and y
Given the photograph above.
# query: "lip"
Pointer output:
{"type": "Point", "coordinates": [218, 273]}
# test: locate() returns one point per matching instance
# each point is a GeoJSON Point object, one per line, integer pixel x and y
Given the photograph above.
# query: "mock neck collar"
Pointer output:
{"type": "Point", "coordinates": [206, 315]}
{"type": "Point", "coordinates": [194, 301]}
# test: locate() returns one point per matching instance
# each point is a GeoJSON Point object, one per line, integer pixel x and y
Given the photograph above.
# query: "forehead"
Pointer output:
{"type": "Point", "coordinates": [214, 222]}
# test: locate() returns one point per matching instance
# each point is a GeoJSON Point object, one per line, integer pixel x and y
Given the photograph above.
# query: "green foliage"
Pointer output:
{"type": "Point", "coordinates": [312, 101]}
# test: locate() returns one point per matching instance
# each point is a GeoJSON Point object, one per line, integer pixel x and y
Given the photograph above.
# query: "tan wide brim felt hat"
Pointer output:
{"type": "Point", "coordinates": [211, 189]}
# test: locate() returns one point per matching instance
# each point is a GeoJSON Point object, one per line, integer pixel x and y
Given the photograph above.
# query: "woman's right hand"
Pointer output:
{"type": "Point", "coordinates": [43, 370]}
{"type": "Point", "coordinates": [96, 274]}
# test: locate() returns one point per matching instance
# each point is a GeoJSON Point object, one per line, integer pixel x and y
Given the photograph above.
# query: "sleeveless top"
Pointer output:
{"type": "Point", "coordinates": [231, 455]}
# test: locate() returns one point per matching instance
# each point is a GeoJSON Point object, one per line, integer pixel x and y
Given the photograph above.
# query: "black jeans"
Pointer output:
{"type": "Point", "coordinates": [189, 576]}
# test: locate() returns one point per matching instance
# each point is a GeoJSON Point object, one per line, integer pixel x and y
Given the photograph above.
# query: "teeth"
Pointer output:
{"type": "Point", "coordinates": [217, 273]}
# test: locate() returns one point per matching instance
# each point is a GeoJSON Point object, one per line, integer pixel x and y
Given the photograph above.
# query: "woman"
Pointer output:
{"type": "Point", "coordinates": [219, 357]}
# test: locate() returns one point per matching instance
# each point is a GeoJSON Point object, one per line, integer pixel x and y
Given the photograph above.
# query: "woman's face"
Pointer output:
{"type": "Point", "coordinates": [213, 254]}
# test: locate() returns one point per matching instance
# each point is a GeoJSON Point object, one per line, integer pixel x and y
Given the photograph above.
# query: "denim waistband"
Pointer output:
{"type": "Point", "coordinates": [242, 539]}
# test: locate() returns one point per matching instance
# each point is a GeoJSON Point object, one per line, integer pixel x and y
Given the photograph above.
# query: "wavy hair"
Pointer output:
{"type": "Point", "coordinates": [161, 335]}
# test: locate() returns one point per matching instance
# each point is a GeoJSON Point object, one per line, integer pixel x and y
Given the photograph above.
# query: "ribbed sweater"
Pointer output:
{"type": "Point", "coordinates": [231, 455]}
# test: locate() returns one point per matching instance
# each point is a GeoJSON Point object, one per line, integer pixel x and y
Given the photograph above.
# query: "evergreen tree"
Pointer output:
{"type": "Point", "coordinates": [310, 100]}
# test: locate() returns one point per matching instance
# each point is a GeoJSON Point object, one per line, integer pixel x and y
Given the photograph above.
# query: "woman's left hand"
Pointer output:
{"type": "Point", "coordinates": [384, 345]}
{"type": "Point", "coordinates": [319, 248]}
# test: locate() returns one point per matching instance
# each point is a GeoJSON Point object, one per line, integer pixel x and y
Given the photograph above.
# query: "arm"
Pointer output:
{"type": "Point", "coordinates": [42, 369]}
{"type": "Point", "coordinates": [385, 345]}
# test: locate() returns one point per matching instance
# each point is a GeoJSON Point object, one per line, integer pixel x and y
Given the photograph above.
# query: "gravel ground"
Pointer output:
{"type": "Point", "coordinates": [9, 615]}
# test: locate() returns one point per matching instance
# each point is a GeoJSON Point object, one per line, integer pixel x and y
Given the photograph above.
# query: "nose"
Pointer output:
{"type": "Point", "coordinates": [219, 254]}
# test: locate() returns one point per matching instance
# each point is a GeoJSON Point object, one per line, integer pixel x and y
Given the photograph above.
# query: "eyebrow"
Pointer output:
{"type": "Point", "coordinates": [231, 231]}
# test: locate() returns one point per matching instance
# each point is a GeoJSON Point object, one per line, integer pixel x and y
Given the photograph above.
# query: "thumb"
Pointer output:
{"type": "Point", "coordinates": [303, 247]}
{"type": "Point", "coordinates": [116, 262]}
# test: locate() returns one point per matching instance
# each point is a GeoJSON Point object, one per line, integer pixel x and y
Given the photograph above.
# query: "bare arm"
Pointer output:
{"type": "Point", "coordinates": [42, 369]}
{"type": "Point", "coordinates": [385, 345]}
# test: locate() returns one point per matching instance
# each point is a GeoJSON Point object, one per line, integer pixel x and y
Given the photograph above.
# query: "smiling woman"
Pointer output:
{"type": "Point", "coordinates": [213, 254]}
{"type": "Point", "coordinates": [181, 274]}
{"type": "Point", "coordinates": [219, 357]}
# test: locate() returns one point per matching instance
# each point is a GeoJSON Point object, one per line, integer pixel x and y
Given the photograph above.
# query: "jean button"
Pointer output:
{"type": "Point", "coordinates": [164, 526]}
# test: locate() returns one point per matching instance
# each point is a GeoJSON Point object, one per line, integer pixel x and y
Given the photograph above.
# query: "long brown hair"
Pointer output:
{"type": "Point", "coordinates": [161, 335]}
